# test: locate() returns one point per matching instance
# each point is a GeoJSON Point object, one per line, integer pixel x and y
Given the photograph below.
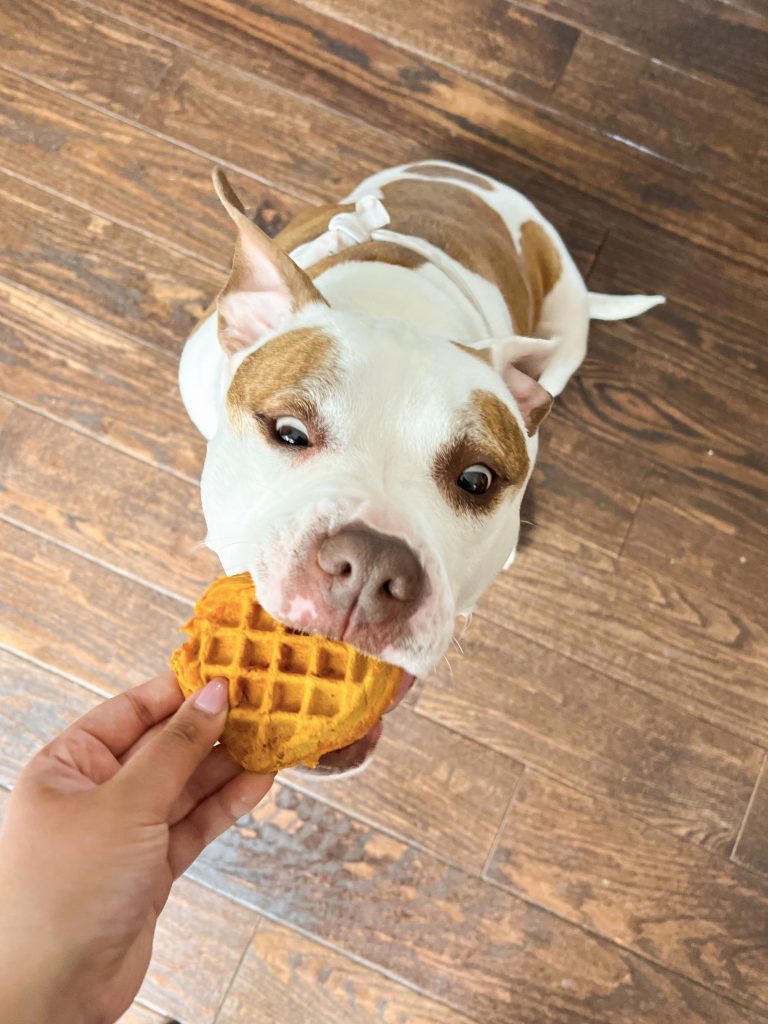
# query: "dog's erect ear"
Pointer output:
{"type": "Point", "coordinates": [265, 285]}
{"type": "Point", "coordinates": [520, 361]}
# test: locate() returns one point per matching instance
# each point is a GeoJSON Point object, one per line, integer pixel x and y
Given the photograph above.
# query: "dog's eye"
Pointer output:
{"type": "Point", "coordinates": [291, 431]}
{"type": "Point", "coordinates": [476, 479]}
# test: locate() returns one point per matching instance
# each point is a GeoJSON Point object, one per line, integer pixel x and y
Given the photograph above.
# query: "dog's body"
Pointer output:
{"type": "Point", "coordinates": [372, 418]}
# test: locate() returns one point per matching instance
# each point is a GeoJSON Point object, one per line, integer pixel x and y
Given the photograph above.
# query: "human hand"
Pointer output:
{"type": "Point", "coordinates": [99, 825]}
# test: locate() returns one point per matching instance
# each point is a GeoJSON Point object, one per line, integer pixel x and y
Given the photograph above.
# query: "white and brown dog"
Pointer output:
{"type": "Point", "coordinates": [370, 384]}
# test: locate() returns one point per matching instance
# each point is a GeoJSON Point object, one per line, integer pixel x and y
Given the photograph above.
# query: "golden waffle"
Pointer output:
{"type": "Point", "coordinates": [292, 697]}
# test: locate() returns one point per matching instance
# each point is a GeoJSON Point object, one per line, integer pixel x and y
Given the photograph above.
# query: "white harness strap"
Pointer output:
{"type": "Point", "coordinates": [367, 223]}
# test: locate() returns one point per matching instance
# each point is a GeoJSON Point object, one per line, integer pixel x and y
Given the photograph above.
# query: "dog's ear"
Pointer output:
{"type": "Point", "coordinates": [520, 361]}
{"type": "Point", "coordinates": [265, 285]}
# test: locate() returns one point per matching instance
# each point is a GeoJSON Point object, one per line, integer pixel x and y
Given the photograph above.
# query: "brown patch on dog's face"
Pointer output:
{"type": "Point", "coordinates": [457, 174]}
{"type": "Point", "coordinates": [542, 263]}
{"type": "Point", "coordinates": [467, 229]}
{"type": "Point", "coordinates": [489, 435]}
{"type": "Point", "coordinates": [284, 377]}
{"type": "Point", "coordinates": [369, 252]}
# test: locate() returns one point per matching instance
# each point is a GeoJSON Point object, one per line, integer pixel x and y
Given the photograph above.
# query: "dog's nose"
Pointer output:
{"type": "Point", "coordinates": [380, 573]}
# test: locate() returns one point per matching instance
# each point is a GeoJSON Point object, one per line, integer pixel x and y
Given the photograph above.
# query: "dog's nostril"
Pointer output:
{"type": "Point", "coordinates": [346, 569]}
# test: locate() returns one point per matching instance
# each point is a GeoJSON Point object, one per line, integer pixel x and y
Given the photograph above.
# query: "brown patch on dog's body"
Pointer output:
{"type": "Point", "coordinates": [309, 225]}
{"type": "Point", "coordinates": [483, 354]}
{"type": "Point", "coordinates": [429, 170]}
{"type": "Point", "coordinates": [468, 230]}
{"type": "Point", "coordinates": [283, 377]}
{"type": "Point", "coordinates": [489, 435]}
{"type": "Point", "coordinates": [369, 252]}
{"type": "Point", "coordinates": [542, 262]}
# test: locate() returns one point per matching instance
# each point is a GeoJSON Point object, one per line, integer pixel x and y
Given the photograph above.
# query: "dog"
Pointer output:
{"type": "Point", "coordinates": [371, 384]}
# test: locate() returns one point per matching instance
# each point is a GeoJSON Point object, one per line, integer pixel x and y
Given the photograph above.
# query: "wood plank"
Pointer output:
{"type": "Point", "coordinates": [199, 942]}
{"type": "Point", "coordinates": [139, 1014]}
{"type": "Point", "coordinates": [297, 145]}
{"type": "Point", "coordinates": [507, 46]}
{"type": "Point", "coordinates": [638, 627]}
{"type": "Point", "coordinates": [60, 43]}
{"type": "Point", "coordinates": [82, 373]}
{"type": "Point", "coordinates": [114, 168]}
{"type": "Point", "coordinates": [102, 269]}
{"type": "Point", "coordinates": [646, 402]}
{"type": "Point", "coordinates": [81, 619]}
{"type": "Point", "coordinates": [437, 107]}
{"type": "Point", "coordinates": [101, 502]}
{"type": "Point", "coordinates": [452, 797]}
{"type": "Point", "coordinates": [636, 258]}
{"type": "Point", "coordinates": [709, 127]}
{"type": "Point", "coordinates": [592, 864]}
{"type": "Point", "coordinates": [5, 408]}
{"type": "Point", "coordinates": [35, 706]}
{"type": "Point", "coordinates": [283, 973]}
{"type": "Point", "coordinates": [751, 848]}
{"type": "Point", "coordinates": [474, 946]}
{"type": "Point", "coordinates": [583, 483]}
{"type": "Point", "coordinates": [721, 40]}
{"type": "Point", "coordinates": [701, 538]}
{"type": "Point", "coordinates": [584, 729]}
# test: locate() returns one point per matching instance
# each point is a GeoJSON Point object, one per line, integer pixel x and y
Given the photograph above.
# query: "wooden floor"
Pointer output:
{"type": "Point", "coordinates": [571, 825]}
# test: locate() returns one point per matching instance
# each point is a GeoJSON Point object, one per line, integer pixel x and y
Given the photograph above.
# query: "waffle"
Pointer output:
{"type": "Point", "coordinates": [292, 697]}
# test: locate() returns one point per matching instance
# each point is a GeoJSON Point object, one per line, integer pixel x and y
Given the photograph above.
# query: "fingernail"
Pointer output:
{"type": "Point", "coordinates": [213, 697]}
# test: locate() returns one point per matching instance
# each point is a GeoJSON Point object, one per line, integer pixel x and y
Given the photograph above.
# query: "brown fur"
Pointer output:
{"type": "Point", "coordinates": [283, 377]}
{"type": "Point", "coordinates": [483, 354]}
{"type": "Point", "coordinates": [491, 436]}
{"type": "Point", "coordinates": [428, 170]}
{"type": "Point", "coordinates": [542, 263]}
{"type": "Point", "coordinates": [467, 229]}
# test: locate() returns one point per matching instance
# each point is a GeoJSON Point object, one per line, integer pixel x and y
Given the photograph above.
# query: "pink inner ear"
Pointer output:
{"type": "Point", "coordinates": [532, 400]}
{"type": "Point", "coordinates": [259, 299]}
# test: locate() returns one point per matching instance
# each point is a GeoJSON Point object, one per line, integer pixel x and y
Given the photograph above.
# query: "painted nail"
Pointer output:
{"type": "Point", "coordinates": [213, 697]}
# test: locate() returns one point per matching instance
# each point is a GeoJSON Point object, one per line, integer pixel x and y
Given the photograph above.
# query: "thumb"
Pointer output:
{"type": "Point", "coordinates": [153, 779]}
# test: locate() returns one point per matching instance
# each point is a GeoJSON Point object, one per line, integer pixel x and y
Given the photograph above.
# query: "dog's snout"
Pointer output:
{"type": "Point", "coordinates": [381, 574]}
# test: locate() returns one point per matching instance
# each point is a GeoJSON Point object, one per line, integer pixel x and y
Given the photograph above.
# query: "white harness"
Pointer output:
{"type": "Point", "coordinates": [367, 223]}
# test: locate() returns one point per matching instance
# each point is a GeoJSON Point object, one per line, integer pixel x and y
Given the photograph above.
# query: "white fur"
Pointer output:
{"type": "Point", "coordinates": [400, 389]}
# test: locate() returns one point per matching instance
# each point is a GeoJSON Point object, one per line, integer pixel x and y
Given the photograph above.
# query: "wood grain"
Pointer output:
{"type": "Point", "coordinates": [638, 627]}
{"type": "Point", "coordinates": [117, 170]}
{"type": "Point", "coordinates": [103, 503]}
{"type": "Point", "coordinates": [592, 864]}
{"type": "Point", "coordinates": [721, 40]}
{"type": "Point", "coordinates": [101, 268]}
{"type": "Point", "coordinates": [642, 400]}
{"type": "Point", "coordinates": [91, 377]}
{"type": "Point", "coordinates": [73, 50]}
{"type": "Point", "coordinates": [429, 786]}
{"type": "Point", "coordinates": [35, 706]}
{"type": "Point", "coordinates": [750, 849]}
{"type": "Point", "coordinates": [256, 125]}
{"type": "Point", "coordinates": [482, 951]}
{"type": "Point", "coordinates": [498, 43]}
{"type": "Point", "coordinates": [708, 127]}
{"type": "Point", "coordinates": [283, 973]}
{"type": "Point", "coordinates": [437, 107]}
{"type": "Point", "coordinates": [198, 945]}
{"type": "Point", "coordinates": [139, 1014]}
{"type": "Point", "coordinates": [702, 538]}
{"type": "Point", "coordinates": [80, 618]}
{"type": "Point", "coordinates": [584, 729]}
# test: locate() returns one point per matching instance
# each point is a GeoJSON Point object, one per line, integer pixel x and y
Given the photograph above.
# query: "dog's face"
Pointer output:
{"type": "Point", "coordinates": [367, 474]}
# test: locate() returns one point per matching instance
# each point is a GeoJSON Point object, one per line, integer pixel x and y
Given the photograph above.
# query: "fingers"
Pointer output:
{"type": "Point", "coordinates": [215, 815]}
{"type": "Point", "coordinates": [152, 780]}
{"type": "Point", "coordinates": [119, 722]}
{"type": "Point", "coordinates": [215, 771]}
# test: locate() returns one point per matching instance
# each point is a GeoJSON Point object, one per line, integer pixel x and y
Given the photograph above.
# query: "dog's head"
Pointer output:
{"type": "Point", "coordinates": [367, 473]}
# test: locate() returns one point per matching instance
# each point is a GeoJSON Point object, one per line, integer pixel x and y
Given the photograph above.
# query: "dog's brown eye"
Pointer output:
{"type": "Point", "coordinates": [291, 431]}
{"type": "Point", "coordinates": [476, 479]}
